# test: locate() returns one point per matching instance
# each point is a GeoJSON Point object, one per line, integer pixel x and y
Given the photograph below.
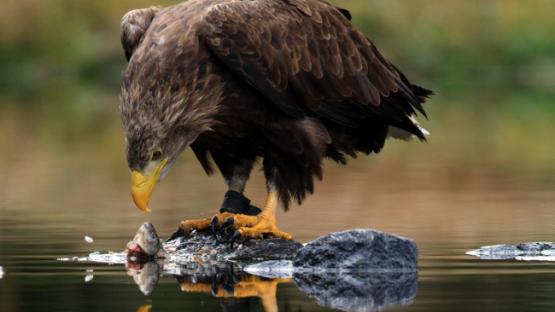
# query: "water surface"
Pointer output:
{"type": "Point", "coordinates": [446, 216]}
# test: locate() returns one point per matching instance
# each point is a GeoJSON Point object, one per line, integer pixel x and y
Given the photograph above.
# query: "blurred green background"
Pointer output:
{"type": "Point", "coordinates": [492, 64]}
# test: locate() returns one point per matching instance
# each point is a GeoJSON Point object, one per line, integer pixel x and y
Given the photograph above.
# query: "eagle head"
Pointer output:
{"type": "Point", "coordinates": [167, 99]}
{"type": "Point", "coordinates": [151, 152]}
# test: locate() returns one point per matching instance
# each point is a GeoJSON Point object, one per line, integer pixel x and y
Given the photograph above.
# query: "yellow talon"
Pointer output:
{"type": "Point", "coordinates": [247, 226]}
{"type": "Point", "coordinates": [266, 223]}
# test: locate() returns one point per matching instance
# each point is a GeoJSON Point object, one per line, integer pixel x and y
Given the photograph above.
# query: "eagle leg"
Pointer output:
{"type": "Point", "coordinates": [235, 202]}
{"type": "Point", "coordinates": [266, 221]}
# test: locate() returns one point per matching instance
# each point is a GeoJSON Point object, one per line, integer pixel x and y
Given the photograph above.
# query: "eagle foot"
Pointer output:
{"type": "Point", "coordinates": [264, 227]}
{"type": "Point", "coordinates": [217, 222]}
{"type": "Point", "coordinates": [230, 227]}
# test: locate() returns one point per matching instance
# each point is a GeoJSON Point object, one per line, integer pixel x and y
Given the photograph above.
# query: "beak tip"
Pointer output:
{"type": "Point", "coordinates": [140, 203]}
{"type": "Point", "coordinates": [142, 187]}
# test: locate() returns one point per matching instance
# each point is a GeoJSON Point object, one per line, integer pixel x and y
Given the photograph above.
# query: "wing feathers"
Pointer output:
{"type": "Point", "coordinates": [305, 56]}
{"type": "Point", "coordinates": [133, 27]}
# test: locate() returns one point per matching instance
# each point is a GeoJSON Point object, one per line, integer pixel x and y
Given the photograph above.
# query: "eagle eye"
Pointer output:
{"type": "Point", "coordinates": [156, 156]}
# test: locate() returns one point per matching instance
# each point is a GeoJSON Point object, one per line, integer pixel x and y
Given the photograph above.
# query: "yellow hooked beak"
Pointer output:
{"type": "Point", "coordinates": [142, 185]}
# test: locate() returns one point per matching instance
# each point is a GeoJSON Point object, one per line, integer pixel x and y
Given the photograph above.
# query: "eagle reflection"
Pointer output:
{"type": "Point", "coordinates": [235, 288]}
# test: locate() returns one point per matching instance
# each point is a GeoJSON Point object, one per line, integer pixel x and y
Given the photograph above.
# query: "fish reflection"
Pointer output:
{"type": "Point", "coordinates": [145, 275]}
{"type": "Point", "coordinates": [362, 291]}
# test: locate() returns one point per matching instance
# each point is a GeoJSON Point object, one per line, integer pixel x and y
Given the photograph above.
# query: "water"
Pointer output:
{"type": "Point", "coordinates": [54, 200]}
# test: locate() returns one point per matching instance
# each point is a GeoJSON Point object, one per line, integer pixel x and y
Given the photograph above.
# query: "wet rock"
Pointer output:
{"type": "Point", "coordinates": [203, 247]}
{"type": "Point", "coordinates": [358, 291]}
{"type": "Point", "coordinates": [354, 250]}
{"type": "Point", "coordinates": [271, 269]}
{"type": "Point", "coordinates": [539, 251]}
{"type": "Point", "coordinates": [358, 250]}
{"type": "Point", "coordinates": [357, 270]}
{"type": "Point", "coordinates": [267, 249]}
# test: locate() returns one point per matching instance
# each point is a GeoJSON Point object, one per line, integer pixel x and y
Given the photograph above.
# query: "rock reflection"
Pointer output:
{"type": "Point", "coordinates": [362, 291]}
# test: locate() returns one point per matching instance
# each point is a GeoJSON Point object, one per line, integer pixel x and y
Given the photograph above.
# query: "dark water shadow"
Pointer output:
{"type": "Point", "coordinates": [346, 291]}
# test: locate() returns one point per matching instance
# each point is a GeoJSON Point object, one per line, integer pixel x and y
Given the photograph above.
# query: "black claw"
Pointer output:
{"type": "Point", "coordinates": [219, 277]}
{"type": "Point", "coordinates": [228, 222]}
{"type": "Point", "coordinates": [227, 228]}
{"type": "Point", "coordinates": [213, 226]}
{"type": "Point", "coordinates": [233, 238]}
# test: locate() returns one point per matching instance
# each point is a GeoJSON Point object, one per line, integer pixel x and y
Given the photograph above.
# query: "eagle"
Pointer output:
{"type": "Point", "coordinates": [287, 83]}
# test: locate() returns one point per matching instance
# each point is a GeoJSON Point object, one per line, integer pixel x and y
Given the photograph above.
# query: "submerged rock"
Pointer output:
{"type": "Point", "coordinates": [532, 251]}
{"type": "Point", "coordinates": [271, 269]}
{"type": "Point", "coordinates": [359, 250]}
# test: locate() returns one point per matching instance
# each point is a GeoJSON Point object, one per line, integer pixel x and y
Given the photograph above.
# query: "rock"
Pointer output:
{"type": "Point", "coordinates": [202, 246]}
{"type": "Point", "coordinates": [267, 249]}
{"type": "Point", "coordinates": [352, 250]}
{"type": "Point", "coordinates": [358, 250]}
{"type": "Point", "coordinates": [271, 269]}
{"type": "Point", "coordinates": [532, 251]}
{"type": "Point", "coordinates": [357, 270]}
{"type": "Point", "coordinates": [358, 291]}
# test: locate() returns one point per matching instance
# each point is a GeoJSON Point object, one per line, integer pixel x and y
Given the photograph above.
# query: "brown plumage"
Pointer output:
{"type": "Point", "coordinates": [290, 81]}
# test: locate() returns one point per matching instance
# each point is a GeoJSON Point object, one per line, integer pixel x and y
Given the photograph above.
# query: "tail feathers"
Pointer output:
{"type": "Point", "coordinates": [401, 134]}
